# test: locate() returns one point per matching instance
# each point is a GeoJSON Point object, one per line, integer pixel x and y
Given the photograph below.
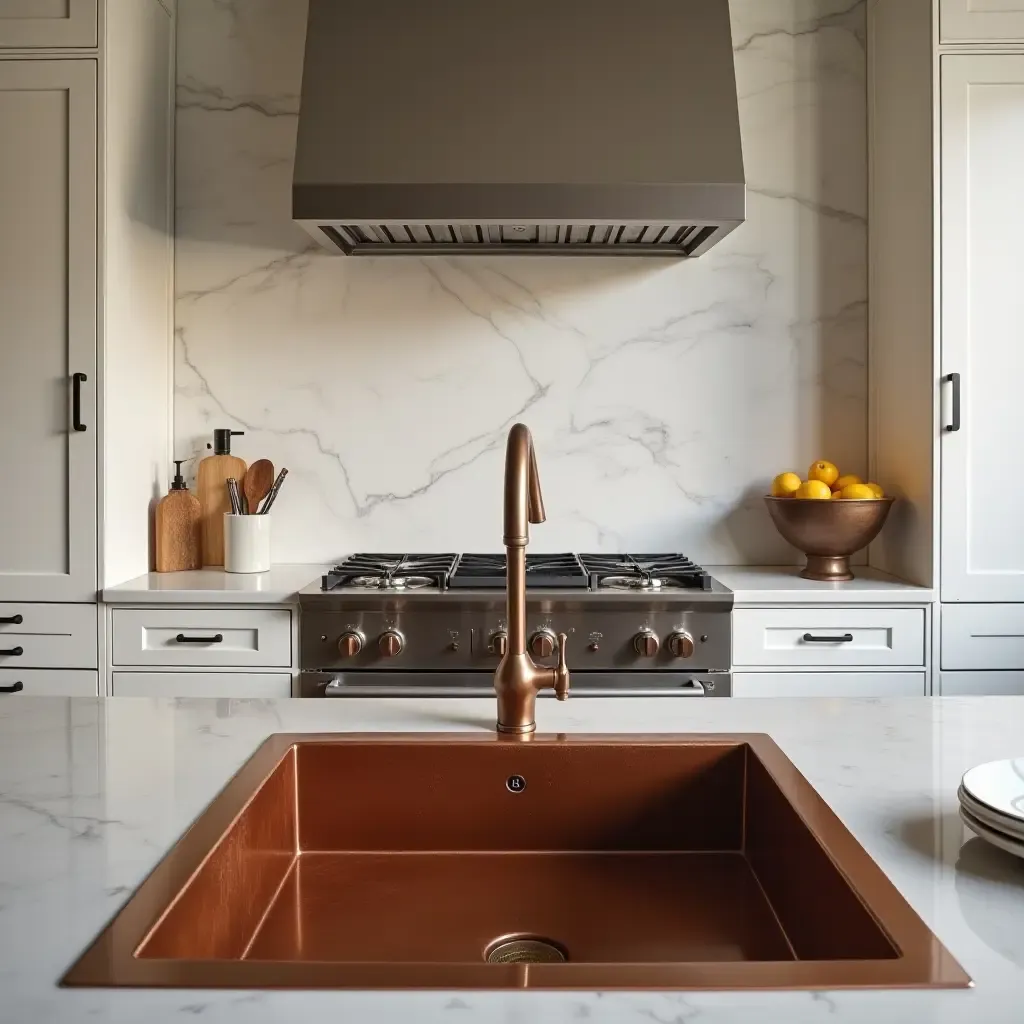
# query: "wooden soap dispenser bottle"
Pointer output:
{"type": "Point", "coordinates": [178, 533]}
{"type": "Point", "coordinates": [213, 475]}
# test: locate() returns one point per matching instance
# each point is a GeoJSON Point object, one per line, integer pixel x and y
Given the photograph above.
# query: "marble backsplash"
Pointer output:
{"type": "Point", "coordinates": [662, 395]}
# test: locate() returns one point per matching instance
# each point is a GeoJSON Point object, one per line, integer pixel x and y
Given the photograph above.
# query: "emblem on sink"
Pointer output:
{"type": "Point", "coordinates": [515, 783]}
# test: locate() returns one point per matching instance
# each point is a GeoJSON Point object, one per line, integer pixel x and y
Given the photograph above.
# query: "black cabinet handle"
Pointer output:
{"type": "Point", "coordinates": [215, 639]}
{"type": "Point", "coordinates": [846, 638]}
{"type": "Point", "coordinates": [77, 380]}
{"type": "Point", "coordinates": [954, 379]}
{"type": "Point", "coordinates": [12, 620]}
{"type": "Point", "coordinates": [13, 688]}
{"type": "Point", "coordinates": [14, 651]}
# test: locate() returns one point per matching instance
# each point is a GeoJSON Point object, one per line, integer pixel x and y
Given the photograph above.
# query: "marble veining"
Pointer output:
{"type": "Point", "coordinates": [662, 395]}
{"type": "Point", "coordinates": [92, 792]}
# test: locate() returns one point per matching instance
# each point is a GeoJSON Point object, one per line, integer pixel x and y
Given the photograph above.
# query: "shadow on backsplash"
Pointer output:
{"type": "Point", "coordinates": [663, 395]}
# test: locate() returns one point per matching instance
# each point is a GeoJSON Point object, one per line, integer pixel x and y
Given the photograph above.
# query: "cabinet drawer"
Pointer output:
{"type": "Point", "coordinates": [981, 684]}
{"type": "Point", "coordinates": [828, 684]}
{"type": "Point", "coordinates": [201, 637]}
{"type": "Point", "coordinates": [828, 636]}
{"type": "Point", "coordinates": [201, 684]}
{"type": "Point", "coordinates": [988, 636]}
{"type": "Point", "coordinates": [48, 636]}
{"type": "Point", "coordinates": [42, 682]}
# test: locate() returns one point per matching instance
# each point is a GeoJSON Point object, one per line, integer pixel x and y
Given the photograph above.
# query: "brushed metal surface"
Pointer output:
{"type": "Point", "coordinates": [376, 862]}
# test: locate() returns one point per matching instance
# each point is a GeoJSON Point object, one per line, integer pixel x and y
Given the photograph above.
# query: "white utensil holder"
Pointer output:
{"type": "Point", "coordinates": [246, 543]}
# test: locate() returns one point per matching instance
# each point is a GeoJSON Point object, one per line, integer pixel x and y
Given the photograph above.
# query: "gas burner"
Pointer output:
{"type": "Point", "coordinates": [391, 582]}
{"type": "Point", "coordinates": [487, 572]}
{"type": "Point", "coordinates": [645, 573]}
{"type": "Point", "coordinates": [652, 583]}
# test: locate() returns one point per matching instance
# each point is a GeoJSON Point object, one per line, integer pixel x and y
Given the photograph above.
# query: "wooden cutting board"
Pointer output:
{"type": "Point", "coordinates": [212, 478]}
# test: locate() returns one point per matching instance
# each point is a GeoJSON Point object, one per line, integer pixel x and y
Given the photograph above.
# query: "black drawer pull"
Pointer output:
{"type": "Point", "coordinates": [12, 620]}
{"type": "Point", "coordinates": [846, 638]}
{"type": "Point", "coordinates": [13, 688]}
{"type": "Point", "coordinates": [14, 651]}
{"type": "Point", "coordinates": [954, 379]}
{"type": "Point", "coordinates": [77, 380]}
{"type": "Point", "coordinates": [215, 639]}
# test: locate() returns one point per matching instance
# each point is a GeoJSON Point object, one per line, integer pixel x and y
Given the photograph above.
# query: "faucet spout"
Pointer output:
{"type": "Point", "coordinates": [518, 678]}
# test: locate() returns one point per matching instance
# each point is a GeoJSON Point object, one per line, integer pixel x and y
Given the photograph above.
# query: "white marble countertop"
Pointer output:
{"type": "Point", "coordinates": [752, 585]}
{"type": "Point", "coordinates": [782, 584]}
{"type": "Point", "coordinates": [93, 792]}
{"type": "Point", "coordinates": [280, 585]}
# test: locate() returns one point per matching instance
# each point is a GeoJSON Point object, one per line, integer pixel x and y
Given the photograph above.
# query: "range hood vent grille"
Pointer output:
{"type": "Point", "coordinates": [665, 239]}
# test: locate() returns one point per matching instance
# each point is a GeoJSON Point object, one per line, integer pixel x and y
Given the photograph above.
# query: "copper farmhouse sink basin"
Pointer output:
{"type": "Point", "coordinates": [352, 861]}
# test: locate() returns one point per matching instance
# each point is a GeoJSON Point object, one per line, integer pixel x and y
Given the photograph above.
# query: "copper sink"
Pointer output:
{"type": "Point", "coordinates": [348, 861]}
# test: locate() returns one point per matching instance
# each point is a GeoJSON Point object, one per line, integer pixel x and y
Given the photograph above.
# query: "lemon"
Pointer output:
{"type": "Point", "coordinates": [846, 480]}
{"type": "Point", "coordinates": [824, 472]}
{"type": "Point", "coordinates": [813, 489]}
{"type": "Point", "coordinates": [858, 491]}
{"type": "Point", "coordinates": [784, 485]}
{"type": "Point", "coordinates": [837, 494]}
{"type": "Point", "coordinates": [877, 491]}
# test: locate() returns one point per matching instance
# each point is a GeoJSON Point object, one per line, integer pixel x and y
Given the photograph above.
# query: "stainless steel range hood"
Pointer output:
{"type": "Point", "coordinates": [568, 127]}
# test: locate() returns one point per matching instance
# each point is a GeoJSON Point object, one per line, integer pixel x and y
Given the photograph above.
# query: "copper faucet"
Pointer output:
{"type": "Point", "coordinates": [518, 677]}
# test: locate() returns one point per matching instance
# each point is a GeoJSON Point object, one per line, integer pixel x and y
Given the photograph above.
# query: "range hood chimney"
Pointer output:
{"type": "Point", "coordinates": [566, 127]}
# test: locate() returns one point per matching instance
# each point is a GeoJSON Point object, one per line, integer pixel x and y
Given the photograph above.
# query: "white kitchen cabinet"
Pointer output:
{"type": "Point", "coordinates": [983, 636]}
{"type": "Point", "coordinates": [981, 21]}
{"type": "Point", "coordinates": [982, 217]}
{"type": "Point", "coordinates": [829, 684]}
{"type": "Point", "coordinates": [42, 682]}
{"type": "Point", "coordinates": [981, 684]}
{"type": "Point", "coordinates": [263, 685]}
{"type": "Point", "coordinates": [38, 24]}
{"type": "Point", "coordinates": [48, 299]}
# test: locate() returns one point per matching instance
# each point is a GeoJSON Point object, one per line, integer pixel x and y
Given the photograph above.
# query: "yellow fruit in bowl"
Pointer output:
{"type": "Point", "coordinates": [846, 480]}
{"type": "Point", "coordinates": [876, 490]}
{"type": "Point", "coordinates": [824, 472]}
{"type": "Point", "coordinates": [784, 485]}
{"type": "Point", "coordinates": [813, 489]}
{"type": "Point", "coordinates": [857, 491]}
{"type": "Point", "coordinates": [837, 494]}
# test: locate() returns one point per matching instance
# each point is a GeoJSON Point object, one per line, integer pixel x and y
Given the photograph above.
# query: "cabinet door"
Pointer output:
{"type": "Point", "coordinates": [48, 329]}
{"type": "Point", "coordinates": [962, 21]}
{"type": "Point", "coordinates": [981, 684]}
{"type": "Point", "coordinates": [828, 684]}
{"type": "Point", "coordinates": [47, 23]}
{"type": "Point", "coordinates": [982, 332]}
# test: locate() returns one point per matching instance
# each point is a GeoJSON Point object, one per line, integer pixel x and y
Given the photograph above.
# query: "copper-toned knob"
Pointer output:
{"type": "Point", "coordinates": [499, 643]}
{"type": "Point", "coordinates": [542, 643]}
{"type": "Point", "coordinates": [350, 644]}
{"type": "Point", "coordinates": [681, 645]}
{"type": "Point", "coordinates": [645, 643]}
{"type": "Point", "coordinates": [390, 643]}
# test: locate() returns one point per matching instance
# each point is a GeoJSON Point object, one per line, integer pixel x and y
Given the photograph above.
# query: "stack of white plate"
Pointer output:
{"type": "Point", "coordinates": [992, 803]}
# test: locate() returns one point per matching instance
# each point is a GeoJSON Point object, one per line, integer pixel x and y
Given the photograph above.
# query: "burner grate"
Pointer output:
{"type": "Point", "coordinates": [487, 571]}
{"type": "Point", "coordinates": [391, 572]}
{"type": "Point", "coordinates": [644, 573]}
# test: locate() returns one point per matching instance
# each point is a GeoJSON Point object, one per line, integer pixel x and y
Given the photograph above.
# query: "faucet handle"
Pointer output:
{"type": "Point", "coordinates": [562, 671]}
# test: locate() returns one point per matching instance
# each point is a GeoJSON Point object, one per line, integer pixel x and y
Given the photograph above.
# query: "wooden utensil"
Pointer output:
{"type": "Point", "coordinates": [259, 478]}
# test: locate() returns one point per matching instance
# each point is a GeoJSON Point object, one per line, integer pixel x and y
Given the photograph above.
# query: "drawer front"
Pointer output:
{"type": "Point", "coordinates": [42, 682]}
{"type": "Point", "coordinates": [201, 684]}
{"type": "Point", "coordinates": [983, 636]}
{"type": "Point", "coordinates": [48, 636]}
{"type": "Point", "coordinates": [232, 638]}
{"type": "Point", "coordinates": [828, 637]}
{"type": "Point", "coordinates": [981, 684]}
{"type": "Point", "coordinates": [828, 684]}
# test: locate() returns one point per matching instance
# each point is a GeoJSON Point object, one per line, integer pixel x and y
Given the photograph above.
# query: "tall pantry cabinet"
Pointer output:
{"type": "Point", "coordinates": [86, 225]}
{"type": "Point", "coordinates": [947, 315]}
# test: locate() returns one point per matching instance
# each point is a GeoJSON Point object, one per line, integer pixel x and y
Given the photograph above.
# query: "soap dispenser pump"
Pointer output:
{"type": "Point", "coordinates": [178, 533]}
{"type": "Point", "coordinates": [213, 475]}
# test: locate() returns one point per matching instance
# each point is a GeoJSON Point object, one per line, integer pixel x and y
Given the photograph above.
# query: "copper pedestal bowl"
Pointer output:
{"type": "Point", "coordinates": [828, 531]}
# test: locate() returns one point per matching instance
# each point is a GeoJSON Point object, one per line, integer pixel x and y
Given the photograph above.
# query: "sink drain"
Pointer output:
{"type": "Point", "coordinates": [524, 949]}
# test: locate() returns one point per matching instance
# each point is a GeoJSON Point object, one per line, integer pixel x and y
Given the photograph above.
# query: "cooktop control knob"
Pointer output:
{"type": "Point", "coordinates": [390, 643]}
{"type": "Point", "coordinates": [681, 645]}
{"type": "Point", "coordinates": [645, 643]}
{"type": "Point", "coordinates": [542, 643]}
{"type": "Point", "coordinates": [350, 644]}
{"type": "Point", "coordinates": [499, 643]}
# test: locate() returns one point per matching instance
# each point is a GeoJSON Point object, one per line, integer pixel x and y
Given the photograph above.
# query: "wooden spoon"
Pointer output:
{"type": "Point", "coordinates": [259, 478]}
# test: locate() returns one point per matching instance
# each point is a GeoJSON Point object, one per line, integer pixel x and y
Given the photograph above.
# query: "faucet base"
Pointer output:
{"type": "Point", "coordinates": [518, 730]}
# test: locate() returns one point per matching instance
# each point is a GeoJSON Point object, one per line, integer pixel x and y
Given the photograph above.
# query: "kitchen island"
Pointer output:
{"type": "Point", "coordinates": [93, 792]}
